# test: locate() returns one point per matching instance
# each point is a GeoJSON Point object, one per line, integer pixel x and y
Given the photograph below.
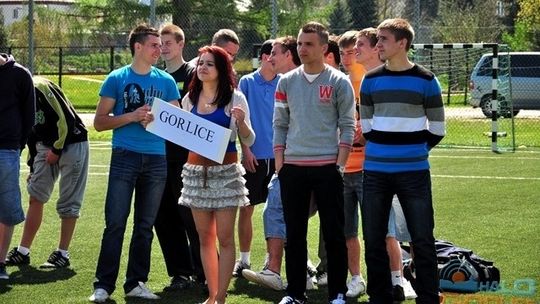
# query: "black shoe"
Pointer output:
{"type": "Point", "coordinates": [56, 260]}
{"type": "Point", "coordinates": [179, 283]}
{"type": "Point", "coordinates": [15, 258]}
{"type": "Point", "coordinates": [397, 294]}
{"type": "Point", "coordinates": [238, 267]}
{"type": "Point", "coordinates": [291, 300]}
{"type": "Point", "coordinates": [3, 272]}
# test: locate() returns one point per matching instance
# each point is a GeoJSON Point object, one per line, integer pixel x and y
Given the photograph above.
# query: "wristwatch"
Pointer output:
{"type": "Point", "coordinates": [341, 169]}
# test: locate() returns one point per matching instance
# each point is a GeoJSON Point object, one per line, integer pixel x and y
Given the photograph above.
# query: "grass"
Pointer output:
{"type": "Point", "coordinates": [477, 132]}
{"type": "Point", "coordinates": [483, 201]}
{"type": "Point", "coordinates": [82, 90]}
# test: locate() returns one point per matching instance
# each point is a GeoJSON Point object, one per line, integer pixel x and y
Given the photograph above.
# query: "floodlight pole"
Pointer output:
{"type": "Point", "coordinates": [31, 36]}
{"type": "Point", "coordinates": [153, 12]}
{"type": "Point", "coordinates": [274, 18]}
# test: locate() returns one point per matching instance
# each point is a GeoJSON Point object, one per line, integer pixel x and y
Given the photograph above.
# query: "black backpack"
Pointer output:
{"type": "Point", "coordinates": [459, 269]}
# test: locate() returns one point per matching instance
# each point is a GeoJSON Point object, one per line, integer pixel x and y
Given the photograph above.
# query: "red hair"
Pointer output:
{"type": "Point", "coordinates": [226, 77]}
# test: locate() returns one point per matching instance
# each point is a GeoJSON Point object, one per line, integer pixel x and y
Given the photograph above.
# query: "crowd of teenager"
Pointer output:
{"type": "Point", "coordinates": [335, 126]}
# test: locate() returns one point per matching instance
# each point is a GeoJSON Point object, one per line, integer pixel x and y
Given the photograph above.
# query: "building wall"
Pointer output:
{"type": "Point", "coordinates": [18, 10]}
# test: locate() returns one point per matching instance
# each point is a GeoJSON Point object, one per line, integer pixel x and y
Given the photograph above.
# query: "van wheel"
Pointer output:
{"type": "Point", "coordinates": [485, 105]}
{"type": "Point", "coordinates": [504, 111]}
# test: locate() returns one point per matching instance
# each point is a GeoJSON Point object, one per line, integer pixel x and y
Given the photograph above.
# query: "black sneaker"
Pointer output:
{"type": "Point", "coordinates": [291, 300]}
{"type": "Point", "coordinates": [15, 258]}
{"type": "Point", "coordinates": [56, 260]}
{"type": "Point", "coordinates": [179, 283]}
{"type": "Point", "coordinates": [238, 267]}
{"type": "Point", "coordinates": [397, 294]}
{"type": "Point", "coordinates": [3, 272]}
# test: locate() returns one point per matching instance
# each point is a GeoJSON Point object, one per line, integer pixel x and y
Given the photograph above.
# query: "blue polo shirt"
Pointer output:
{"type": "Point", "coordinates": [260, 97]}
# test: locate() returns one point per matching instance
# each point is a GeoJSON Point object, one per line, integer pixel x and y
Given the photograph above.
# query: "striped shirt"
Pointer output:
{"type": "Point", "coordinates": [402, 118]}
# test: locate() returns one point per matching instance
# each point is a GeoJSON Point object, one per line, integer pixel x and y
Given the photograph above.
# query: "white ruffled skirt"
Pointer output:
{"type": "Point", "coordinates": [214, 187]}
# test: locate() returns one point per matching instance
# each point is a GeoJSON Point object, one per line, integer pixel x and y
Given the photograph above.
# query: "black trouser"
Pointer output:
{"type": "Point", "coordinates": [414, 192]}
{"type": "Point", "coordinates": [175, 226]}
{"type": "Point", "coordinates": [297, 184]}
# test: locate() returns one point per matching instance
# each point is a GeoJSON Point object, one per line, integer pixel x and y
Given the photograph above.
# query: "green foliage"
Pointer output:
{"type": "Point", "coordinates": [339, 20]}
{"type": "Point", "coordinates": [521, 39]}
{"type": "Point", "coordinates": [458, 23]}
{"type": "Point", "coordinates": [294, 14]}
{"type": "Point", "coordinates": [49, 29]}
{"type": "Point", "coordinates": [530, 19]}
{"type": "Point", "coordinates": [109, 22]}
{"type": "Point", "coordinates": [364, 13]}
{"type": "Point", "coordinates": [3, 34]}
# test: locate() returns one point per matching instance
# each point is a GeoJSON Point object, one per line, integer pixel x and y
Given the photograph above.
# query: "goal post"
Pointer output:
{"type": "Point", "coordinates": [494, 48]}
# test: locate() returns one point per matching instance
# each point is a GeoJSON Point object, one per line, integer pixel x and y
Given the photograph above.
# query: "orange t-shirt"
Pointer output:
{"type": "Point", "coordinates": [355, 163]}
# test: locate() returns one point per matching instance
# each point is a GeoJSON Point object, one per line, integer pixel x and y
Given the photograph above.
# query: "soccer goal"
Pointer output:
{"type": "Point", "coordinates": [454, 64]}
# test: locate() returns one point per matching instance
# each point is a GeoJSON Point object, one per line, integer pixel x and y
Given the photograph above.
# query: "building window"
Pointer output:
{"type": "Point", "coordinates": [17, 12]}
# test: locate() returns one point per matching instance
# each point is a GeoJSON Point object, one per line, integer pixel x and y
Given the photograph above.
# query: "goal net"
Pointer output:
{"type": "Point", "coordinates": [465, 83]}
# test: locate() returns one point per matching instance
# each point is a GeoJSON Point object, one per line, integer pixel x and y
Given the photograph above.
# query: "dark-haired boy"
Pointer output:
{"type": "Point", "coordinates": [137, 163]}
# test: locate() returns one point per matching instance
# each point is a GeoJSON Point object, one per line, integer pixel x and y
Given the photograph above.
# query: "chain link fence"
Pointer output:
{"type": "Point", "coordinates": [95, 43]}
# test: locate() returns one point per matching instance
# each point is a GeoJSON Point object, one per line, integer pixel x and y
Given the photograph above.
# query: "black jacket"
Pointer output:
{"type": "Point", "coordinates": [17, 104]}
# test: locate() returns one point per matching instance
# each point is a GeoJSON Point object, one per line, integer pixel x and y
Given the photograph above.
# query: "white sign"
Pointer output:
{"type": "Point", "coordinates": [189, 131]}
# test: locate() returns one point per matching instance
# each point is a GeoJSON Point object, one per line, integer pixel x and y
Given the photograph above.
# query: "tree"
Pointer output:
{"type": "Point", "coordinates": [339, 20]}
{"type": "Point", "coordinates": [458, 21]}
{"type": "Point", "coordinates": [49, 33]}
{"type": "Point", "coordinates": [3, 35]}
{"type": "Point", "coordinates": [363, 13]}
{"type": "Point", "coordinates": [529, 21]}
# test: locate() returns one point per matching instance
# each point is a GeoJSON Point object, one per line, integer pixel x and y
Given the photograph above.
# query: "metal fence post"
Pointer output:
{"type": "Point", "coordinates": [60, 65]}
{"type": "Point", "coordinates": [31, 36]}
{"type": "Point", "coordinates": [111, 59]}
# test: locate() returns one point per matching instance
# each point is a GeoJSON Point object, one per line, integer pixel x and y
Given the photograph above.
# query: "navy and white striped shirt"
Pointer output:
{"type": "Point", "coordinates": [402, 118]}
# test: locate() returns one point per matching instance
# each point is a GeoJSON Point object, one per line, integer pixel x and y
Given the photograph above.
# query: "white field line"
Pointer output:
{"type": "Point", "coordinates": [485, 157]}
{"type": "Point", "coordinates": [485, 177]}
{"type": "Point", "coordinates": [85, 79]}
{"type": "Point", "coordinates": [106, 145]}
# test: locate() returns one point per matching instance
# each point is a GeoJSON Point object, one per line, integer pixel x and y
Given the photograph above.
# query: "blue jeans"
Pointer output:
{"type": "Point", "coordinates": [414, 192]}
{"type": "Point", "coordinates": [273, 220]}
{"type": "Point", "coordinates": [146, 174]}
{"type": "Point", "coordinates": [11, 212]}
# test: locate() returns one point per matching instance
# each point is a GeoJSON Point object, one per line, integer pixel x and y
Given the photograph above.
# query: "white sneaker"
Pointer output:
{"type": "Point", "coordinates": [355, 288]}
{"type": "Point", "coordinates": [266, 278]}
{"type": "Point", "coordinates": [100, 295]}
{"type": "Point", "coordinates": [339, 300]}
{"type": "Point", "coordinates": [142, 292]}
{"type": "Point", "coordinates": [309, 283]}
{"type": "Point", "coordinates": [408, 290]}
{"type": "Point", "coordinates": [322, 279]}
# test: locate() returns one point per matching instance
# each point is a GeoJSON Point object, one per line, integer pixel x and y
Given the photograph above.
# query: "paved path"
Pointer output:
{"type": "Point", "coordinates": [88, 118]}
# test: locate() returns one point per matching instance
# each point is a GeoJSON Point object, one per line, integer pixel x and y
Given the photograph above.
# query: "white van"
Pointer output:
{"type": "Point", "coordinates": [524, 84]}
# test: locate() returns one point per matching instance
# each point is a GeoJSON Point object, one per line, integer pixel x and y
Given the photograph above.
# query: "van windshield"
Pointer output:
{"type": "Point", "coordinates": [487, 65]}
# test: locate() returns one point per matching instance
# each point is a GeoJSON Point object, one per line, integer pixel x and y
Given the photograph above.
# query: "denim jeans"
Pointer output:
{"type": "Point", "coordinates": [414, 192]}
{"type": "Point", "coordinates": [11, 212]}
{"type": "Point", "coordinates": [146, 174]}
